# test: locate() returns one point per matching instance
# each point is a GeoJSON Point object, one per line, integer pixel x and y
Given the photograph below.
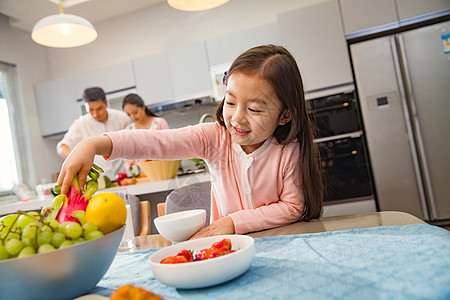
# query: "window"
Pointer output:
{"type": "Point", "coordinates": [10, 149]}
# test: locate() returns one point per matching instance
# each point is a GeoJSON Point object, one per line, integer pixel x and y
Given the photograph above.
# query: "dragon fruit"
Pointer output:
{"type": "Point", "coordinates": [75, 199]}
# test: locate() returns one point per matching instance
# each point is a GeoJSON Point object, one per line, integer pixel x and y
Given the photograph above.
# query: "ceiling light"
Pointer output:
{"type": "Point", "coordinates": [195, 5]}
{"type": "Point", "coordinates": [63, 31]}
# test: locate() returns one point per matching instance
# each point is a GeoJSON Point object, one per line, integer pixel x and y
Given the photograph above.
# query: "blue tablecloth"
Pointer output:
{"type": "Point", "coordinates": [394, 262]}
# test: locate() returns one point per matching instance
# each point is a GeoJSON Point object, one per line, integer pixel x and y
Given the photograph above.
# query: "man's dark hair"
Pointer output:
{"type": "Point", "coordinates": [94, 94]}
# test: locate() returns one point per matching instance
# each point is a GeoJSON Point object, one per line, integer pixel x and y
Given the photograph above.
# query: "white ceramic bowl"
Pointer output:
{"type": "Point", "coordinates": [180, 226]}
{"type": "Point", "coordinates": [208, 272]}
{"type": "Point", "coordinates": [60, 274]}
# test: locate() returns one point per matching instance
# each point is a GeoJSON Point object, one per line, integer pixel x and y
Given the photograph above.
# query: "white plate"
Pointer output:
{"type": "Point", "coordinates": [91, 297]}
{"type": "Point", "coordinates": [204, 273]}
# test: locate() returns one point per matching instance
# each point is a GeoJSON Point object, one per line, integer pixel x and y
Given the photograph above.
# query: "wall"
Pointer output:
{"type": "Point", "coordinates": [16, 47]}
{"type": "Point", "coordinates": [133, 35]}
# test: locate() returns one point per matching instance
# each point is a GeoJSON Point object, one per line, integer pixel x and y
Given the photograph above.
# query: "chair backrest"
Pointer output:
{"type": "Point", "coordinates": [140, 223]}
{"type": "Point", "coordinates": [194, 196]}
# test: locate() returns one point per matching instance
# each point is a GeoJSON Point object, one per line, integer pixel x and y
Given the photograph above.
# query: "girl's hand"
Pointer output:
{"type": "Point", "coordinates": [221, 226]}
{"type": "Point", "coordinates": [81, 159]}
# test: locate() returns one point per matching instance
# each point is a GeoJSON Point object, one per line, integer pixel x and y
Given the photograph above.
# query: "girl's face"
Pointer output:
{"type": "Point", "coordinates": [134, 112]}
{"type": "Point", "coordinates": [251, 110]}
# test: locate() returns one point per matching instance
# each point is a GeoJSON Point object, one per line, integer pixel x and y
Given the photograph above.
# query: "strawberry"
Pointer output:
{"type": "Point", "coordinates": [187, 254]}
{"type": "Point", "coordinates": [177, 259]}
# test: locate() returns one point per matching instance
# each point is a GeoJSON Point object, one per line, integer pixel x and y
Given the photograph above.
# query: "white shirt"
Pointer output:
{"type": "Point", "coordinates": [86, 126]}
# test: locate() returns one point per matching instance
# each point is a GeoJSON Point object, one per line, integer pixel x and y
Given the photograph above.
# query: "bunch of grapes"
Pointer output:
{"type": "Point", "coordinates": [28, 233]}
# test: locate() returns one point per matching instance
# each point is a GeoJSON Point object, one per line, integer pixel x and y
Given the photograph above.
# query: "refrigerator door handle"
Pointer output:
{"type": "Point", "coordinates": [409, 110]}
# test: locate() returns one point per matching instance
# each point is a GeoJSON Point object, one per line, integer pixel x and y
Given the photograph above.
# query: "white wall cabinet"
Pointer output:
{"type": "Point", "coordinates": [57, 105]}
{"type": "Point", "coordinates": [189, 70]}
{"type": "Point", "coordinates": [360, 15]}
{"type": "Point", "coordinates": [225, 49]}
{"type": "Point", "coordinates": [153, 80]}
{"type": "Point", "coordinates": [413, 8]}
{"type": "Point", "coordinates": [111, 78]}
{"type": "Point", "coordinates": [315, 37]}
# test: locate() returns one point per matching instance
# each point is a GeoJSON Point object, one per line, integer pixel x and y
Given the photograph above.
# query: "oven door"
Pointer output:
{"type": "Point", "coordinates": [345, 168]}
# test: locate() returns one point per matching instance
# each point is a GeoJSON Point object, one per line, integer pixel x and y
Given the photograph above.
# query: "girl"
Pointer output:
{"type": "Point", "coordinates": [260, 152]}
{"type": "Point", "coordinates": [141, 115]}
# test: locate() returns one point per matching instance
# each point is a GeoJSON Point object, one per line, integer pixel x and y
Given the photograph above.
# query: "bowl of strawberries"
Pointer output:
{"type": "Point", "coordinates": [203, 262]}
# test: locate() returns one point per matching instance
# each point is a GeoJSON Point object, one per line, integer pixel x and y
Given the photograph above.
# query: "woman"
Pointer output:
{"type": "Point", "coordinates": [142, 117]}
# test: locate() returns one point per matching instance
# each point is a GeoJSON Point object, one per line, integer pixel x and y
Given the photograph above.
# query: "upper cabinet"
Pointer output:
{"type": "Point", "coordinates": [360, 15]}
{"type": "Point", "coordinates": [189, 70]}
{"type": "Point", "coordinates": [57, 105]}
{"type": "Point", "coordinates": [315, 37]}
{"type": "Point", "coordinates": [111, 78]}
{"type": "Point", "coordinates": [408, 9]}
{"type": "Point", "coordinates": [178, 73]}
{"type": "Point", "coordinates": [224, 49]}
{"type": "Point", "coordinates": [153, 80]}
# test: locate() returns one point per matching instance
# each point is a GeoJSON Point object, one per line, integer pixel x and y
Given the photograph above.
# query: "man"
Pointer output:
{"type": "Point", "coordinates": [99, 120]}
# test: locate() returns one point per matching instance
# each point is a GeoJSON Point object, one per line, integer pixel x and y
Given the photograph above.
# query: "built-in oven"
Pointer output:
{"type": "Point", "coordinates": [344, 159]}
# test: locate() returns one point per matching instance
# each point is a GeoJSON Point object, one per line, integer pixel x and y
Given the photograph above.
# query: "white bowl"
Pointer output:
{"type": "Point", "coordinates": [59, 274]}
{"type": "Point", "coordinates": [180, 226]}
{"type": "Point", "coordinates": [208, 272]}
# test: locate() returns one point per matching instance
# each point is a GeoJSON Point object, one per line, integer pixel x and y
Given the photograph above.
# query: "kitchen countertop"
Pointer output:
{"type": "Point", "coordinates": [135, 189]}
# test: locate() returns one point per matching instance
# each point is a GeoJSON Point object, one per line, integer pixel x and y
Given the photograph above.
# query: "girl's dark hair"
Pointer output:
{"type": "Point", "coordinates": [134, 99]}
{"type": "Point", "coordinates": [278, 67]}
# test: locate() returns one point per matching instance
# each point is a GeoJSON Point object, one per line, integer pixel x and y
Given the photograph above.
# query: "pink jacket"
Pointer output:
{"type": "Point", "coordinates": [258, 190]}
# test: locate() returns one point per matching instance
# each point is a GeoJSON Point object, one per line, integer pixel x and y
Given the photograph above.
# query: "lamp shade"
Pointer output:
{"type": "Point", "coordinates": [63, 31]}
{"type": "Point", "coordinates": [195, 5]}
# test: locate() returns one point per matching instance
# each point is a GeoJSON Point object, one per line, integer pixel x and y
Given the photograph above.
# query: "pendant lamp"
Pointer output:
{"type": "Point", "coordinates": [195, 5]}
{"type": "Point", "coordinates": [63, 31]}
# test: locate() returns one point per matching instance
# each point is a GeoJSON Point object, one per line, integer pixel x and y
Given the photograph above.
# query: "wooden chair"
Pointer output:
{"type": "Point", "coordinates": [145, 216]}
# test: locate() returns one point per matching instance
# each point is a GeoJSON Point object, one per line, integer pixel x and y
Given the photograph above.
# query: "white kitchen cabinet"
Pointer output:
{"type": "Point", "coordinates": [189, 70]}
{"type": "Point", "coordinates": [413, 8]}
{"type": "Point", "coordinates": [315, 37]}
{"type": "Point", "coordinates": [57, 105]}
{"type": "Point", "coordinates": [112, 78]}
{"type": "Point", "coordinates": [359, 15]}
{"type": "Point", "coordinates": [224, 49]}
{"type": "Point", "coordinates": [153, 80]}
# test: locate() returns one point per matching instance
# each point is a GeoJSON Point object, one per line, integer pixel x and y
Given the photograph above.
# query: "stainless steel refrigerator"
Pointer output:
{"type": "Point", "coordinates": [403, 83]}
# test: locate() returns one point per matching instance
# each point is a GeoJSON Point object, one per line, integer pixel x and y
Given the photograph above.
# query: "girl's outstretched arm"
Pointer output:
{"type": "Point", "coordinates": [81, 159]}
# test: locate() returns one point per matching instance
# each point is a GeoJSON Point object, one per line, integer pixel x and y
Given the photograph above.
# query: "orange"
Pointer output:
{"type": "Point", "coordinates": [107, 211]}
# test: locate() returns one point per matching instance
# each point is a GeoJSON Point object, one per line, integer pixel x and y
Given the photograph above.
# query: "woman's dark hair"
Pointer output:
{"type": "Point", "coordinates": [134, 99]}
{"type": "Point", "coordinates": [278, 67]}
{"type": "Point", "coordinates": [94, 94]}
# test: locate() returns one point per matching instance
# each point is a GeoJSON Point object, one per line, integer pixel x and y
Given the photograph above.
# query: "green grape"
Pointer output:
{"type": "Point", "coordinates": [45, 248]}
{"type": "Point", "coordinates": [7, 222]}
{"type": "Point", "coordinates": [62, 227]}
{"type": "Point", "coordinates": [3, 252]}
{"type": "Point", "coordinates": [73, 230]}
{"type": "Point", "coordinates": [12, 235]}
{"type": "Point", "coordinates": [58, 238]}
{"type": "Point", "coordinates": [44, 237]}
{"type": "Point", "coordinates": [24, 220]}
{"type": "Point", "coordinates": [89, 227]}
{"type": "Point", "coordinates": [29, 232]}
{"type": "Point", "coordinates": [93, 235]}
{"type": "Point", "coordinates": [66, 243]}
{"type": "Point", "coordinates": [29, 242]}
{"type": "Point", "coordinates": [27, 251]}
{"type": "Point", "coordinates": [13, 247]}
{"type": "Point", "coordinates": [78, 240]}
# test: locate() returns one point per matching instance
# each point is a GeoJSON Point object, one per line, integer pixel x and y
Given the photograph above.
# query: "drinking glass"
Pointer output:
{"type": "Point", "coordinates": [128, 243]}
